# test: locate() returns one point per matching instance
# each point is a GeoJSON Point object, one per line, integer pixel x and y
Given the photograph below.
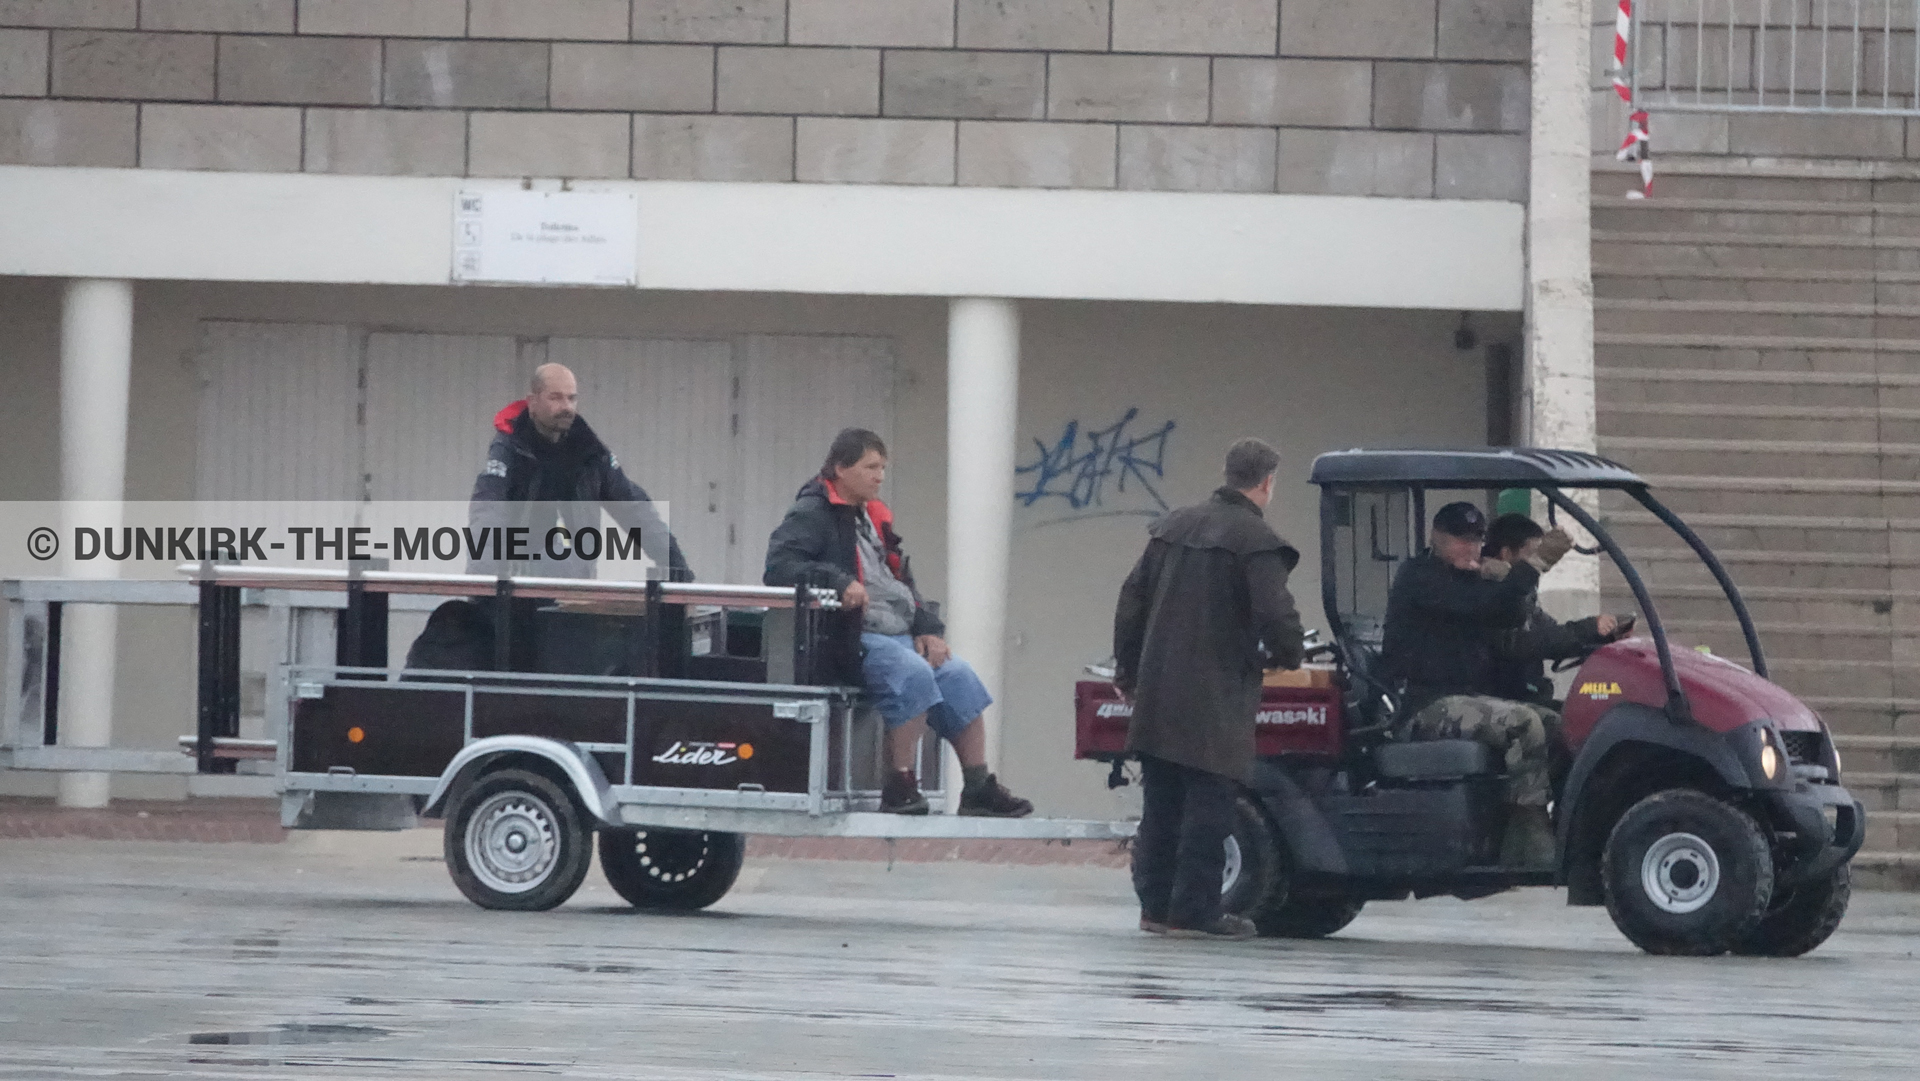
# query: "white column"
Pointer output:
{"type": "Point", "coordinates": [983, 395]}
{"type": "Point", "coordinates": [1558, 409]}
{"type": "Point", "coordinates": [96, 365]}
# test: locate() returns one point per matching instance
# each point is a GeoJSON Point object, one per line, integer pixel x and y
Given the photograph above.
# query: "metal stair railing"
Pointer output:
{"type": "Point", "coordinates": [1859, 57]}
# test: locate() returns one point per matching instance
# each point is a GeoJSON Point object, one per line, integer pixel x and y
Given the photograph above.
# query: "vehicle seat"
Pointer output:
{"type": "Point", "coordinates": [1432, 760]}
{"type": "Point", "coordinates": [1370, 700]}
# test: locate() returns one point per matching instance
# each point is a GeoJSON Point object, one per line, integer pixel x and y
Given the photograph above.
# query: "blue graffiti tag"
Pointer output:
{"type": "Point", "coordinates": [1083, 467]}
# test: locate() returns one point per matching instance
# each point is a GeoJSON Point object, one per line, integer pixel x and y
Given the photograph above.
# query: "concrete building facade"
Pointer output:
{"type": "Point", "coordinates": [1421, 99]}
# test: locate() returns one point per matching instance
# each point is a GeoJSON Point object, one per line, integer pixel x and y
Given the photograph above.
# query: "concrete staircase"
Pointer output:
{"type": "Point", "coordinates": [1758, 356]}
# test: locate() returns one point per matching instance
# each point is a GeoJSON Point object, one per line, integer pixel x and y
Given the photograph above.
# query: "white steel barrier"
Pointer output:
{"type": "Point", "coordinates": [1774, 56]}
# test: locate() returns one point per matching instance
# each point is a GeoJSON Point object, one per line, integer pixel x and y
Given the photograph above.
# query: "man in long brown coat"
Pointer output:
{"type": "Point", "coordinates": [1204, 611]}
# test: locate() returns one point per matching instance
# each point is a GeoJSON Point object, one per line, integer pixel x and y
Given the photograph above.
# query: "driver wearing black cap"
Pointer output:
{"type": "Point", "coordinates": [1446, 614]}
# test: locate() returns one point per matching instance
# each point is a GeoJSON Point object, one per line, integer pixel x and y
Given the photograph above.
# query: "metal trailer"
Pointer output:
{"type": "Point", "coordinates": [671, 762]}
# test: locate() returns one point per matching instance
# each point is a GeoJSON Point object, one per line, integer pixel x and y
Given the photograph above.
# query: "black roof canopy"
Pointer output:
{"type": "Point", "coordinates": [1485, 467]}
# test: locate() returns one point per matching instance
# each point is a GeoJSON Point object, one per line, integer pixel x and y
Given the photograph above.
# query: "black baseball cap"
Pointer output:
{"type": "Point", "coordinates": [1461, 520]}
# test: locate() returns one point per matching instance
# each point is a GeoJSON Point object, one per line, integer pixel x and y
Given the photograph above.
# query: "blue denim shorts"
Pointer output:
{"type": "Point", "coordinates": [903, 685]}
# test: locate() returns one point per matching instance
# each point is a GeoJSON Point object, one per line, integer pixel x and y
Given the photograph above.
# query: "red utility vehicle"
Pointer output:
{"type": "Point", "coordinates": [1703, 805]}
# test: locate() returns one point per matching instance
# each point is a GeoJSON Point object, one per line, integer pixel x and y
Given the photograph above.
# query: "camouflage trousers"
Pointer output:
{"type": "Point", "coordinates": [1518, 732]}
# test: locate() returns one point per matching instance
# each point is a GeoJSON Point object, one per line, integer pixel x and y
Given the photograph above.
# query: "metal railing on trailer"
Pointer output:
{"type": "Point", "coordinates": [32, 670]}
{"type": "Point", "coordinates": [355, 604]}
{"type": "Point", "coordinates": [834, 803]}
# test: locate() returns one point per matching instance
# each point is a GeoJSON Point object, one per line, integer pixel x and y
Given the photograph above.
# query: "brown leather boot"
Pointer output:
{"type": "Point", "coordinates": [1224, 926]}
{"type": "Point", "coordinates": [991, 799]}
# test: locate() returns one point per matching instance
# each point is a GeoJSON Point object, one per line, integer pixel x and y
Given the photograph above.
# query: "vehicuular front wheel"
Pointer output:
{"type": "Point", "coordinates": [515, 841]}
{"type": "Point", "coordinates": [678, 869]}
{"type": "Point", "coordinates": [1686, 873]}
{"type": "Point", "coordinates": [1800, 918]}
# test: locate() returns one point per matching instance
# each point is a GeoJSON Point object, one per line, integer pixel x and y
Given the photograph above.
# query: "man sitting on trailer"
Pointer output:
{"type": "Point", "coordinates": [1445, 614]}
{"type": "Point", "coordinates": [839, 535]}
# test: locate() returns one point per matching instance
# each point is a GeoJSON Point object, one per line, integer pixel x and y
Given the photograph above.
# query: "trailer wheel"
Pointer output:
{"type": "Point", "coordinates": [1800, 919]}
{"type": "Point", "coordinates": [1686, 874]}
{"type": "Point", "coordinates": [514, 840]}
{"type": "Point", "coordinates": [674, 869]}
{"type": "Point", "coordinates": [1251, 876]}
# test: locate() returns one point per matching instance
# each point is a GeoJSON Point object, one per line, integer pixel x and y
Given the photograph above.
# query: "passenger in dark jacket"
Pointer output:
{"type": "Point", "coordinates": [1521, 655]}
{"type": "Point", "coordinates": [1204, 611]}
{"type": "Point", "coordinates": [543, 451]}
{"type": "Point", "coordinates": [839, 535]}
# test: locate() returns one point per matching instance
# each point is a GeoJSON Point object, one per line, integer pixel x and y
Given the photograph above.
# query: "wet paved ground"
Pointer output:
{"type": "Point", "coordinates": [345, 956]}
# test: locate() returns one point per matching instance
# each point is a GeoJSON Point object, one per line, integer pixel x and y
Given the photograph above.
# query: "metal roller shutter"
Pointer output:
{"type": "Point", "coordinates": [663, 407]}
{"type": "Point", "coordinates": [724, 430]}
{"type": "Point", "coordinates": [279, 412]}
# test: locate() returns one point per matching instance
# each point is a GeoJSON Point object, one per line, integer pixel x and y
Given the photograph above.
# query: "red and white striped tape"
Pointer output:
{"type": "Point", "coordinates": [1637, 146]}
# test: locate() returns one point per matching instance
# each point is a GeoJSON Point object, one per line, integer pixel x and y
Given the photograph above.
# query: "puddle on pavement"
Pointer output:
{"type": "Point", "coordinates": [1322, 1002]}
{"type": "Point", "coordinates": [606, 970]}
{"type": "Point", "coordinates": [292, 1034]}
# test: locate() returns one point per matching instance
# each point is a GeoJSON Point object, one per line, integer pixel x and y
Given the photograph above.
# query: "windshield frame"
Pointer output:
{"type": "Point", "coordinates": [1677, 705]}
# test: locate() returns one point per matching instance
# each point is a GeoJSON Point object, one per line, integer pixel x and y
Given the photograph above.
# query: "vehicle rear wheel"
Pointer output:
{"type": "Point", "coordinates": [1686, 874]}
{"type": "Point", "coordinates": [1251, 878]}
{"type": "Point", "coordinates": [1307, 915]}
{"type": "Point", "coordinates": [1255, 883]}
{"type": "Point", "coordinates": [515, 841]}
{"type": "Point", "coordinates": [1801, 918]}
{"type": "Point", "coordinates": [676, 869]}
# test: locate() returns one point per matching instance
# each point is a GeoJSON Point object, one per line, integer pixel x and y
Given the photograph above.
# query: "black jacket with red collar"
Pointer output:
{"type": "Point", "coordinates": [815, 543]}
{"type": "Point", "coordinates": [578, 474]}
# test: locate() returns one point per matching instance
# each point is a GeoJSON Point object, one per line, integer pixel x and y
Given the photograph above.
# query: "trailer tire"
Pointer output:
{"type": "Point", "coordinates": [671, 869]}
{"type": "Point", "coordinates": [515, 841]}
{"type": "Point", "coordinates": [1800, 919]}
{"type": "Point", "coordinates": [1252, 875]}
{"type": "Point", "coordinates": [1686, 874]}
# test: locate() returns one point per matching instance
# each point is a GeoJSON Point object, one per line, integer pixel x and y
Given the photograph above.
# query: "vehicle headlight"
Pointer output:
{"type": "Point", "coordinates": [1769, 759]}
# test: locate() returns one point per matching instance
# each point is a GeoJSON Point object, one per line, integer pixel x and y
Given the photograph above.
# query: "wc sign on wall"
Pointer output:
{"type": "Point", "coordinates": [546, 237]}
